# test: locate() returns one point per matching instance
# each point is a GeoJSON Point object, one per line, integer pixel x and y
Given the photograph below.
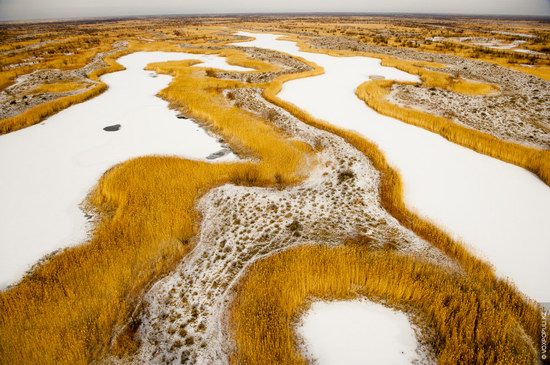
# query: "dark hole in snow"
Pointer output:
{"type": "Point", "coordinates": [112, 128]}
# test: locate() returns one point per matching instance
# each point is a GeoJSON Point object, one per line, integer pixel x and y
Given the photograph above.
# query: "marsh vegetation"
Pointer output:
{"type": "Point", "coordinates": [214, 261]}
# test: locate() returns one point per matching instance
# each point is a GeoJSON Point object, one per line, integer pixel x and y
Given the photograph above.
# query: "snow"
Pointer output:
{"type": "Point", "coordinates": [516, 34]}
{"type": "Point", "coordinates": [528, 51]}
{"type": "Point", "coordinates": [357, 332]}
{"type": "Point", "coordinates": [48, 169]}
{"type": "Point", "coordinates": [501, 211]}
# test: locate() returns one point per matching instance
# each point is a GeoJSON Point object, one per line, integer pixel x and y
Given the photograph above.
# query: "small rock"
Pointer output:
{"type": "Point", "coordinates": [218, 154]}
{"type": "Point", "coordinates": [112, 128]}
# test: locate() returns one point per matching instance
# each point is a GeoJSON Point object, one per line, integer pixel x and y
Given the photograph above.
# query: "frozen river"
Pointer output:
{"type": "Point", "coordinates": [500, 211]}
{"type": "Point", "coordinates": [46, 170]}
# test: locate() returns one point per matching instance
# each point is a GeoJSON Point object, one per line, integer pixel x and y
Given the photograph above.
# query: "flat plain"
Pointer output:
{"type": "Point", "coordinates": [274, 190]}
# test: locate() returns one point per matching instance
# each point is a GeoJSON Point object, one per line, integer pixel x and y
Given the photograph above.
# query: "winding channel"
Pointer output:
{"type": "Point", "coordinates": [47, 169]}
{"type": "Point", "coordinates": [500, 211]}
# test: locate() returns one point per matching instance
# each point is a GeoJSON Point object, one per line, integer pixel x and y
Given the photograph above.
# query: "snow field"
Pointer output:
{"type": "Point", "coordinates": [357, 332]}
{"type": "Point", "coordinates": [48, 169]}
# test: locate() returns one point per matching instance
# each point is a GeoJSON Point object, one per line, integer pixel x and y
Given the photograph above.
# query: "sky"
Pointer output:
{"type": "Point", "coordinates": [44, 9]}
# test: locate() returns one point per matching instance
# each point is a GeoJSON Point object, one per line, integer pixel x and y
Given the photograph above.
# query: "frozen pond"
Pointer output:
{"type": "Point", "coordinates": [501, 211]}
{"type": "Point", "coordinates": [357, 333]}
{"type": "Point", "coordinates": [47, 170]}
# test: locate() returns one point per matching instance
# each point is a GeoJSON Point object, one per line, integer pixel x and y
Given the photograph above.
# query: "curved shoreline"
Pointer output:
{"type": "Point", "coordinates": [464, 164]}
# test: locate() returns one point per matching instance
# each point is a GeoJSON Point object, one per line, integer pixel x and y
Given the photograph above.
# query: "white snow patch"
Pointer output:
{"type": "Point", "coordinates": [48, 169]}
{"type": "Point", "coordinates": [500, 210]}
{"type": "Point", "coordinates": [528, 51]}
{"type": "Point", "coordinates": [357, 332]}
{"type": "Point", "coordinates": [516, 34]}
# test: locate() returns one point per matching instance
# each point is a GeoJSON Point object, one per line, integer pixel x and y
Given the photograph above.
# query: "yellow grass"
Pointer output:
{"type": "Point", "coordinates": [470, 323]}
{"type": "Point", "coordinates": [374, 93]}
{"type": "Point", "coordinates": [58, 87]}
{"type": "Point", "coordinates": [211, 108]}
{"type": "Point", "coordinates": [542, 72]}
{"type": "Point", "coordinates": [80, 50]}
{"type": "Point", "coordinates": [39, 113]}
{"type": "Point", "coordinates": [429, 78]}
{"type": "Point", "coordinates": [69, 310]}
{"type": "Point", "coordinates": [439, 79]}
{"type": "Point", "coordinates": [42, 111]}
{"type": "Point", "coordinates": [7, 77]}
{"type": "Point", "coordinates": [366, 30]}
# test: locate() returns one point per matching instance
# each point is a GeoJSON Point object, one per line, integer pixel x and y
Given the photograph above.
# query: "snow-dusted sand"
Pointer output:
{"type": "Point", "coordinates": [47, 170]}
{"type": "Point", "coordinates": [500, 210]}
{"type": "Point", "coordinates": [357, 332]}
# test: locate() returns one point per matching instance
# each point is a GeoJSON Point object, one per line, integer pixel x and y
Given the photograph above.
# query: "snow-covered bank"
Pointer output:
{"type": "Point", "coordinates": [46, 170]}
{"type": "Point", "coordinates": [500, 210]}
{"type": "Point", "coordinates": [357, 332]}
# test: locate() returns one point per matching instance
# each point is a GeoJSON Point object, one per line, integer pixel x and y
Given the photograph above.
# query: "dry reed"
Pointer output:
{"type": "Point", "coordinates": [391, 191]}
{"type": "Point", "coordinates": [71, 308]}
{"type": "Point", "coordinates": [374, 93]}
{"type": "Point", "coordinates": [72, 305]}
{"type": "Point", "coordinates": [469, 323]}
{"type": "Point", "coordinates": [40, 112]}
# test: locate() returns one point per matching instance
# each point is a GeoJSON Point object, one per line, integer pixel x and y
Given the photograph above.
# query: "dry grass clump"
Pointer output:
{"type": "Point", "coordinates": [71, 308]}
{"type": "Point", "coordinates": [66, 51]}
{"type": "Point", "coordinates": [38, 113]}
{"type": "Point", "coordinates": [439, 79]}
{"type": "Point", "coordinates": [471, 323]}
{"type": "Point", "coordinates": [58, 87]}
{"type": "Point", "coordinates": [210, 107]}
{"type": "Point", "coordinates": [375, 93]}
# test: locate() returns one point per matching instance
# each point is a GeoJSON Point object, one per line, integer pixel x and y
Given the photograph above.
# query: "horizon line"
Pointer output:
{"type": "Point", "coordinates": [282, 13]}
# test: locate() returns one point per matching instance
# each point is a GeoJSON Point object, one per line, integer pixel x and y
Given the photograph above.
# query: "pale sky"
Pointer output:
{"type": "Point", "coordinates": [43, 9]}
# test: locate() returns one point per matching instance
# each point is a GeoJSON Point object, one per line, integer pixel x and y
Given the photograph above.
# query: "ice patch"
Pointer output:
{"type": "Point", "coordinates": [357, 332]}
